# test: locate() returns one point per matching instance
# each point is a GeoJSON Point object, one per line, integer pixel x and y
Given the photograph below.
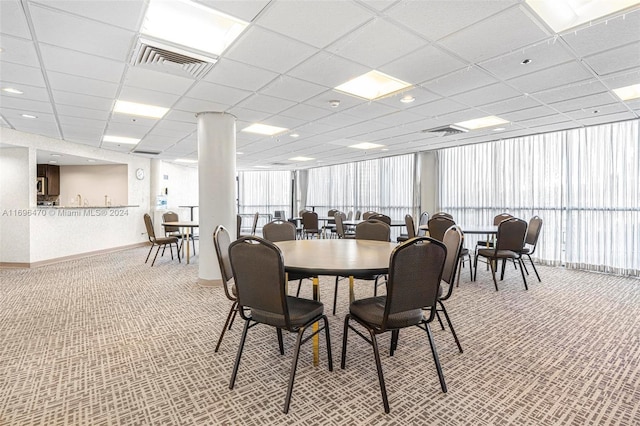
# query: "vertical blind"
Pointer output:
{"type": "Point", "coordinates": [263, 192]}
{"type": "Point", "coordinates": [583, 183]}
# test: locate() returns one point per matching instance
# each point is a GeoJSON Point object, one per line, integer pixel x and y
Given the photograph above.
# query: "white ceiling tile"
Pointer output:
{"type": "Point", "coordinates": [437, 108]}
{"type": "Point", "coordinates": [486, 95]}
{"type": "Point", "coordinates": [14, 115]}
{"type": "Point", "coordinates": [460, 81]}
{"type": "Point", "coordinates": [13, 20]}
{"type": "Point", "coordinates": [328, 70]}
{"type": "Point", "coordinates": [83, 101]}
{"type": "Point", "coordinates": [610, 118]}
{"type": "Point", "coordinates": [605, 35]}
{"type": "Point", "coordinates": [423, 65]}
{"type": "Point", "coordinates": [543, 121]}
{"type": "Point", "coordinates": [542, 55]}
{"type": "Point", "coordinates": [26, 105]}
{"type": "Point", "coordinates": [376, 43]}
{"type": "Point", "coordinates": [158, 81]}
{"type": "Point", "coordinates": [83, 133]}
{"type": "Point", "coordinates": [155, 143]}
{"type": "Point", "coordinates": [74, 111]}
{"type": "Point", "coordinates": [589, 112]}
{"type": "Point", "coordinates": [245, 10]}
{"type": "Point", "coordinates": [255, 47]}
{"type": "Point", "coordinates": [148, 122]}
{"type": "Point", "coordinates": [317, 23]}
{"type": "Point", "coordinates": [525, 114]}
{"type": "Point", "coordinates": [81, 122]}
{"type": "Point", "coordinates": [124, 14]}
{"type": "Point", "coordinates": [216, 93]}
{"type": "Point", "coordinates": [305, 112]}
{"type": "Point", "coordinates": [21, 74]}
{"type": "Point", "coordinates": [421, 96]}
{"type": "Point", "coordinates": [570, 91]}
{"type": "Point", "coordinates": [265, 103]}
{"type": "Point", "coordinates": [199, 105]}
{"type": "Point", "coordinates": [77, 84]}
{"type": "Point", "coordinates": [249, 116]}
{"type": "Point", "coordinates": [70, 32]}
{"type": "Point", "coordinates": [149, 97]}
{"type": "Point", "coordinates": [371, 110]}
{"type": "Point", "coordinates": [127, 130]}
{"type": "Point", "coordinates": [557, 76]}
{"type": "Point", "coordinates": [487, 39]}
{"type": "Point", "coordinates": [436, 19]}
{"type": "Point", "coordinates": [292, 89]}
{"type": "Point", "coordinates": [616, 60]}
{"type": "Point", "coordinates": [19, 51]}
{"type": "Point", "coordinates": [82, 64]}
{"type": "Point", "coordinates": [44, 129]}
{"type": "Point", "coordinates": [184, 116]}
{"type": "Point", "coordinates": [588, 101]}
{"type": "Point", "coordinates": [236, 74]}
{"type": "Point", "coordinates": [29, 92]}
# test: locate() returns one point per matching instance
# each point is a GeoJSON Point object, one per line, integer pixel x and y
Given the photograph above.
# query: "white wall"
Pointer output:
{"type": "Point", "coordinates": [93, 183]}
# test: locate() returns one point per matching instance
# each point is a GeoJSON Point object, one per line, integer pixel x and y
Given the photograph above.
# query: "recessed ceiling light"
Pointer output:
{"type": "Point", "coordinates": [294, 135]}
{"type": "Point", "coordinates": [56, 155]}
{"type": "Point", "coordinates": [628, 92]}
{"type": "Point", "coordinates": [144, 110]}
{"type": "Point", "coordinates": [239, 153]}
{"type": "Point", "coordinates": [483, 122]}
{"type": "Point", "coordinates": [373, 85]}
{"type": "Point", "coordinates": [498, 129]}
{"type": "Point", "coordinates": [526, 62]}
{"type": "Point", "coordinates": [120, 139]}
{"type": "Point", "coordinates": [13, 91]}
{"type": "Point", "coordinates": [91, 161]}
{"type": "Point", "coordinates": [53, 162]}
{"type": "Point", "coordinates": [28, 116]}
{"type": "Point", "coordinates": [186, 160]}
{"type": "Point", "coordinates": [192, 25]}
{"type": "Point", "coordinates": [366, 145]}
{"type": "Point", "coordinates": [264, 129]}
{"type": "Point", "coordinates": [595, 111]}
{"type": "Point", "coordinates": [407, 99]}
{"type": "Point", "coordinates": [334, 103]}
{"type": "Point", "coordinates": [561, 15]}
{"type": "Point", "coordinates": [301, 159]}
{"type": "Point", "coordinates": [384, 149]}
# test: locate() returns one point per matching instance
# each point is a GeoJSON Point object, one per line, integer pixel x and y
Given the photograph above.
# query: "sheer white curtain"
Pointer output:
{"type": "Point", "coordinates": [583, 183]}
{"type": "Point", "coordinates": [263, 192]}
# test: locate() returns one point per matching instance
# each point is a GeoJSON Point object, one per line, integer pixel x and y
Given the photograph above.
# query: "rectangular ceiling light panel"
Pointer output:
{"type": "Point", "coordinates": [264, 129]}
{"type": "Point", "coordinates": [192, 25]}
{"type": "Point", "coordinates": [142, 110]}
{"type": "Point", "coordinates": [562, 15]}
{"type": "Point", "coordinates": [629, 92]}
{"type": "Point", "coordinates": [366, 145]}
{"type": "Point", "coordinates": [480, 123]}
{"type": "Point", "coordinates": [120, 139]}
{"type": "Point", "coordinates": [301, 159]}
{"type": "Point", "coordinates": [373, 85]}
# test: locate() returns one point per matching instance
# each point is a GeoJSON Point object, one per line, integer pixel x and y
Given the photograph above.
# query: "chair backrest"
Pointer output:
{"type": "Point", "coordinates": [366, 215]}
{"type": "Point", "coordinates": [424, 220]}
{"type": "Point", "coordinates": [303, 211]}
{"type": "Point", "coordinates": [279, 214]}
{"type": "Point", "coordinates": [331, 214]}
{"type": "Point", "coordinates": [415, 270]}
{"type": "Point", "coordinates": [238, 225]}
{"type": "Point", "coordinates": [279, 230]}
{"type": "Point", "coordinates": [453, 240]}
{"type": "Point", "coordinates": [373, 230]}
{"type": "Point", "coordinates": [442, 214]}
{"type": "Point", "coordinates": [411, 229]}
{"type": "Point", "coordinates": [350, 215]}
{"type": "Point", "coordinates": [511, 233]}
{"type": "Point", "coordinates": [438, 225]}
{"type": "Point", "coordinates": [499, 218]}
{"type": "Point", "coordinates": [255, 223]}
{"type": "Point", "coordinates": [149, 225]}
{"type": "Point", "coordinates": [339, 218]}
{"type": "Point", "coordinates": [533, 232]}
{"type": "Point", "coordinates": [381, 217]}
{"type": "Point", "coordinates": [310, 220]}
{"type": "Point", "coordinates": [358, 215]}
{"type": "Point", "coordinates": [221, 242]}
{"type": "Point", "coordinates": [258, 271]}
{"type": "Point", "coordinates": [170, 217]}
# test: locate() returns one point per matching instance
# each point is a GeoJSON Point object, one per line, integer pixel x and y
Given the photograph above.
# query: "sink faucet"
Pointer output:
{"type": "Point", "coordinates": [79, 197]}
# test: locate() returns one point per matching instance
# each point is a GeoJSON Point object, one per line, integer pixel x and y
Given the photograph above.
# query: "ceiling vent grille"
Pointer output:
{"type": "Point", "coordinates": [139, 151]}
{"type": "Point", "coordinates": [171, 60]}
{"type": "Point", "coordinates": [451, 129]}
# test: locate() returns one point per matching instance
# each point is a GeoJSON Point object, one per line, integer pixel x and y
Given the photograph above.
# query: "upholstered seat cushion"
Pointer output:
{"type": "Point", "coordinates": [301, 311]}
{"type": "Point", "coordinates": [500, 254]}
{"type": "Point", "coordinates": [371, 311]}
{"type": "Point", "coordinates": [166, 240]}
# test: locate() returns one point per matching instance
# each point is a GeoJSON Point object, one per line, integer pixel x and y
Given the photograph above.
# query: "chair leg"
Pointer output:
{"type": "Point", "coordinates": [154, 257]}
{"type": "Point", "coordinates": [280, 344]}
{"type": "Point", "coordinates": [504, 262]}
{"type": "Point", "coordinates": [534, 268]}
{"type": "Point", "coordinates": [453, 331]}
{"type": "Point", "coordinates": [524, 279]}
{"type": "Point", "coordinates": [376, 354]}
{"type": "Point", "coordinates": [328, 337]}
{"type": "Point", "coordinates": [475, 268]}
{"type": "Point", "coordinates": [395, 335]}
{"type": "Point", "coordinates": [239, 355]}
{"type": "Point", "coordinates": [299, 287]}
{"type": "Point", "coordinates": [294, 365]}
{"type": "Point", "coordinates": [436, 360]}
{"type": "Point", "coordinates": [335, 295]}
{"type": "Point", "coordinates": [232, 312]}
{"type": "Point", "coordinates": [439, 320]}
{"type": "Point", "coordinates": [493, 265]}
{"type": "Point", "coordinates": [345, 332]}
{"type": "Point", "coordinates": [178, 253]}
{"type": "Point", "coordinates": [149, 254]}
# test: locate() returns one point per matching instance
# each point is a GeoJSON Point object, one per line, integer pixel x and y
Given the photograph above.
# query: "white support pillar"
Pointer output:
{"type": "Point", "coordinates": [217, 183]}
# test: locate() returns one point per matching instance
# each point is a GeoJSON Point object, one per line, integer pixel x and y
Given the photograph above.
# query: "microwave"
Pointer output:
{"type": "Point", "coordinates": [41, 186]}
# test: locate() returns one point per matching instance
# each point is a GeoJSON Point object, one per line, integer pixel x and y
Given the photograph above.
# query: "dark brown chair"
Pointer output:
{"type": "Point", "coordinates": [238, 225]}
{"type": "Point", "coordinates": [366, 215]}
{"type": "Point", "coordinates": [442, 214]}
{"type": "Point", "coordinates": [381, 217]}
{"type": "Point", "coordinates": [310, 224]}
{"type": "Point", "coordinates": [530, 243]}
{"type": "Point", "coordinates": [258, 268]}
{"type": "Point", "coordinates": [424, 220]}
{"type": "Point", "coordinates": [496, 221]}
{"type": "Point", "coordinates": [340, 228]}
{"type": "Point", "coordinates": [330, 224]}
{"type": "Point", "coordinates": [160, 242]}
{"type": "Point", "coordinates": [256, 216]}
{"type": "Point", "coordinates": [411, 230]}
{"type": "Point", "coordinates": [279, 230]}
{"type": "Point", "coordinates": [358, 215]}
{"type": "Point", "coordinates": [510, 240]}
{"type": "Point", "coordinates": [415, 270]}
{"type": "Point", "coordinates": [221, 242]}
{"type": "Point", "coordinates": [438, 226]}
{"type": "Point", "coordinates": [174, 231]}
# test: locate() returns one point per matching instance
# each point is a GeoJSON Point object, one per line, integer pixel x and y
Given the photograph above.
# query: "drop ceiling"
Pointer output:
{"type": "Point", "coordinates": [72, 61]}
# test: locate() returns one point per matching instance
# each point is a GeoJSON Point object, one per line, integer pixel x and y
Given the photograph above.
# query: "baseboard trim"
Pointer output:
{"type": "Point", "coordinates": [55, 260]}
{"type": "Point", "coordinates": [209, 283]}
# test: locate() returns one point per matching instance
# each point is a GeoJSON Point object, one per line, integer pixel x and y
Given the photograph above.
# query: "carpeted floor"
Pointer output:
{"type": "Point", "coordinates": [108, 340]}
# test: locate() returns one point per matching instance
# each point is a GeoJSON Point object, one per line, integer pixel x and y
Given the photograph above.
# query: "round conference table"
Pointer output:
{"type": "Point", "coordinates": [336, 257]}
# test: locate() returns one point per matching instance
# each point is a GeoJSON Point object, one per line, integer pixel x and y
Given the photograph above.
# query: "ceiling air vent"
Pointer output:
{"type": "Point", "coordinates": [139, 151]}
{"type": "Point", "coordinates": [446, 130]}
{"type": "Point", "coordinates": [170, 59]}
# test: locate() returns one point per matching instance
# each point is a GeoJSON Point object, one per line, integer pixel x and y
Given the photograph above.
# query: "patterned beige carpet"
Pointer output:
{"type": "Point", "coordinates": [108, 340]}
